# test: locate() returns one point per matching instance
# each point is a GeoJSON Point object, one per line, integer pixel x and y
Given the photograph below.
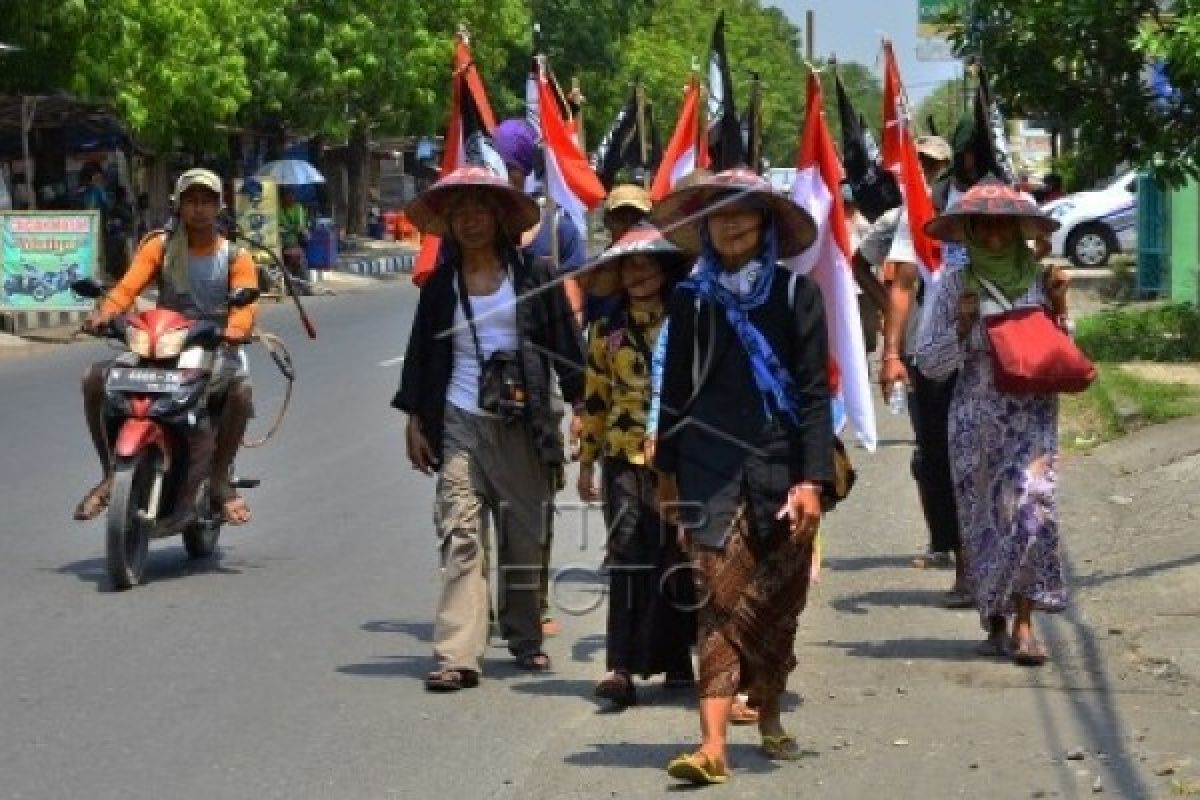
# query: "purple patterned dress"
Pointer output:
{"type": "Point", "coordinates": [1003, 452]}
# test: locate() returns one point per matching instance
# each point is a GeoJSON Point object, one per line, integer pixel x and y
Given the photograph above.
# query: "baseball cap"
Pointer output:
{"type": "Point", "coordinates": [628, 196]}
{"type": "Point", "coordinates": [204, 178]}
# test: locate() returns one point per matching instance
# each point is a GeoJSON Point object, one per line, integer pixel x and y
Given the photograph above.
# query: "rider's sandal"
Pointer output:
{"type": "Point", "coordinates": [231, 503]}
{"type": "Point", "coordinates": [94, 502]}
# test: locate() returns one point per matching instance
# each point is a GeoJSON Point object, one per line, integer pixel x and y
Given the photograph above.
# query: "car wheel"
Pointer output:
{"type": "Point", "coordinates": [1091, 245]}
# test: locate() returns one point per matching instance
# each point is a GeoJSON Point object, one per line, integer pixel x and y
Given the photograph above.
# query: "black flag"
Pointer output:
{"type": "Point", "coordinates": [631, 142]}
{"type": "Point", "coordinates": [724, 129]}
{"type": "Point", "coordinates": [875, 188]}
{"type": "Point", "coordinates": [752, 126]}
{"type": "Point", "coordinates": [990, 139]}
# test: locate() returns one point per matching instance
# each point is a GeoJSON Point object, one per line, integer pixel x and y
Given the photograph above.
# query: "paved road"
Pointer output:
{"type": "Point", "coordinates": [290, 667]}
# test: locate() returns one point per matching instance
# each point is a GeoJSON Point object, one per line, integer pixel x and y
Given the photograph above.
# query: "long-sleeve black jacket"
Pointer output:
{"type": "Point", "coordinates": [550, 344]}
{"type": "Point", "coordinates": [724, 445]}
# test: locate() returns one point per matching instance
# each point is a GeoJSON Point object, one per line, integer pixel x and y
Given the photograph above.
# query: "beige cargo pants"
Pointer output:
{"type": "Point", "coordinates": [489, 467]}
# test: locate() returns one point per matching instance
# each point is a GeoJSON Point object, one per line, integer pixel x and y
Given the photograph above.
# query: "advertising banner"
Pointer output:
{"type": "Point", "coordinates": [256, 206]}
{"type": "Point", "coordinates": [42, 253]}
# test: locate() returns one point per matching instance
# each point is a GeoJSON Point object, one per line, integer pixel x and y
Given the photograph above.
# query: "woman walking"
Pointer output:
{"type": "Point", "coordinates": [650, 624]}
{"type": "Point", "coordinates": [1003, 447]}
{"type": "Point", "coordinates": [490, 333]}
{"type": "Point", "coordinates": [746, 443]}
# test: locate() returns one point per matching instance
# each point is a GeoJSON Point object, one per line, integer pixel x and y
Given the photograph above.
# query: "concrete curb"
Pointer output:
{"type": "Point", "coordinates": [379, 265]}
{"type": "Point", "coordinates": [18, 322]}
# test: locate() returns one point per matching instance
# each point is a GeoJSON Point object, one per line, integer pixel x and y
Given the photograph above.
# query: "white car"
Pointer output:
{"type": "Point", "coordinates": [1096, 224]}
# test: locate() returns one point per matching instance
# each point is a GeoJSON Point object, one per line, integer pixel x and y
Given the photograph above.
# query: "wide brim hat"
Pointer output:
{"type": "Point", "coordinates": [600, 278]}
{"type": "Point", "coordinates": [628, 195]}
{"type": "Point", "coordinates": [680, 213]}
{"type": "Point", "coordinates": [991, 198]}
{"type": "Point", "coordinates": [516, 212]}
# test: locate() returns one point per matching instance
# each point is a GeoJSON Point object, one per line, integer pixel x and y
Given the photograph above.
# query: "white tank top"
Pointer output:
{"type": "Point", "coordinates": [496, 323]}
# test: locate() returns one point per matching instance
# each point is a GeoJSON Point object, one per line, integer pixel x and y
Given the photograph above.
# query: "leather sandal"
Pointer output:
{"type": "Point", "coordinates": [698, 768]}
{"type": "Point", "coordinates": [618, 689]}
{"type": "Point", "coordinates": [451, 680]}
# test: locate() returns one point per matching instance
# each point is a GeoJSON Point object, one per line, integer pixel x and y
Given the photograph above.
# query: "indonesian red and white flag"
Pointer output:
{"type": "Point", "coordinates": [817, 190]}
{"type": "Point", "coordinates": [688, 149]}
{"type": "Point", "coordinates": [471, 122]}
{"type": "Point", "coordinates": [900, 156]}
{"type": "Point", "coordinates": [570, 180]}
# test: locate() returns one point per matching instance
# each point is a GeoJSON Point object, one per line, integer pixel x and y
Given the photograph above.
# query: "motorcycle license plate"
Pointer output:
{"type": "Point", "coordinates": [144, 381]}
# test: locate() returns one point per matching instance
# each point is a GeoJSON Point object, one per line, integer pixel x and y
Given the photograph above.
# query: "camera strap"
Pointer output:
{"type": "Point", "coordinates": [465, 301]}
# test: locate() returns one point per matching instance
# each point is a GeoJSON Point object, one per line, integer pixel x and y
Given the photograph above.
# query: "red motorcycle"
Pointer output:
{"type": "Point", "coordinates": [158, 410]}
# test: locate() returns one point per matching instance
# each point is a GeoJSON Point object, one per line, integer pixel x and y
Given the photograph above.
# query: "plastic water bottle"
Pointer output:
{"type": "Point", "coordinates": [898, 398]}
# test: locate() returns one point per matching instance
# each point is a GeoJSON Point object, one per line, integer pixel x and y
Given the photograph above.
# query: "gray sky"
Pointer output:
{"type": "Point", "coordinates": [851, 29]}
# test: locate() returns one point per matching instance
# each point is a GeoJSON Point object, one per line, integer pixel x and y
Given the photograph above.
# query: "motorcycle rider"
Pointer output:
{"type": "Point", "coordinates": [195, 269]}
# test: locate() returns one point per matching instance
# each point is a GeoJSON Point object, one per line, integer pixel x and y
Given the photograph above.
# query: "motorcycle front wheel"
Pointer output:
{"type": "Point", "coordinates": [127, 541]}
{"type": "Point", "coordinates": [201, 535]}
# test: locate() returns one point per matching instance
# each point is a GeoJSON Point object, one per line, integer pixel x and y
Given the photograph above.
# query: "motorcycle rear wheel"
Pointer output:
{"type": "Point", "coordinates": [127, 540]}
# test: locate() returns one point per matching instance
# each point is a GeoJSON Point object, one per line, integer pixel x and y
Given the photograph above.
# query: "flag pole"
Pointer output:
{"type": "Point", "coordinates": [639, 94]}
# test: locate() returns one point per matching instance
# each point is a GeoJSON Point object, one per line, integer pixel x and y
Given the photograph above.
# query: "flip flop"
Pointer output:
{"type": "Point", "coordinates": [742, 714]}
{"type": "Point", "coordinates": [94, 503]}
{"type": "Point", "coordinates": [781, 748]}
{"type": "Point", "coordinates": [1029, 653]}
{"type": "Point", "coordinates": [451, 680]}
{"type": "Point", "coordinates": [698, 768]}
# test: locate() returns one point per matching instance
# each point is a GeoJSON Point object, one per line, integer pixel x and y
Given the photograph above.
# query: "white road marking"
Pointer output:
{"type": "Point", "coordinates": [391, 362]}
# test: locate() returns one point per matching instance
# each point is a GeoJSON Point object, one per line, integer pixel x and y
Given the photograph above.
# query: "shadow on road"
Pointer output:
{"type": "Point", "coordinates": [421, 631]}
{"type": "Point", "coordinates": [868, 562]}
{"type": "Point", "coordinates": [162, 565]}
{"type": "Point", "coordinates": [635, 755]}
{"type": "Point", "coordinates": [887, 598]}
{"type": "Point", "coordinates": [415, 667]}
{"type": "Point", "coordinates": [927, 649]}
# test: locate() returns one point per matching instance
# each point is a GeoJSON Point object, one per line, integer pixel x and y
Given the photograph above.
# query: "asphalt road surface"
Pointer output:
{"type": "Point", "coordinates": [290, 666]}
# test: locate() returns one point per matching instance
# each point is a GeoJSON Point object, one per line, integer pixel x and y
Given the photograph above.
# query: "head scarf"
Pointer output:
{"type": "Point", "coordinates": [516, 142]}
{"type": "Point", "coordinates": [1012, 270]}
{"type": "Point", "coordinates": [772, 380]}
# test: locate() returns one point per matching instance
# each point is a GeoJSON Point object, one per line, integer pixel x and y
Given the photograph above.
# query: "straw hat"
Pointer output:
{"type": "Point", "coordinates": [601, 277]}
{"type": "Point", "coordinates": [991, 198]}
{"type": "Point", "coordinates": [429, 212]}
{"type": "Point", "coordinates": [679, 214]}
{"type": "Point", "coordinates": [628, 195]}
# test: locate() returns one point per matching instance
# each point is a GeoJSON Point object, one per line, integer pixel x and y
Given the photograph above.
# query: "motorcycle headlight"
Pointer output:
{"type": "Point", "coordinates": [138, 341]}
{"type": "Point", "coordinates": [170, 344]}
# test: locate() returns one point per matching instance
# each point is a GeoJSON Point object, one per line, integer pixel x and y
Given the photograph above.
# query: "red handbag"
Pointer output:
{"type": "Point", "coordinates": [1031, 354]}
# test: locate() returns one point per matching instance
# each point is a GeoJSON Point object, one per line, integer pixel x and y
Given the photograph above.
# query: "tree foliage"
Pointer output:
{"type": "Point", "coordinates": [1079, 67]}
{"type": "Point", "coordinates": [944, 106]}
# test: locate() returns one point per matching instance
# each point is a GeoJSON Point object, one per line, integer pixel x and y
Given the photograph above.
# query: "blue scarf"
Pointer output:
{"type": "Point", "coordinates": [773, 381]}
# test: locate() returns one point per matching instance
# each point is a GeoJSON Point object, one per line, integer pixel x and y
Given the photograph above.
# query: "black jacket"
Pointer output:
{"type": "Point", "coordinates": [724, 445]}
{"type": "Point", "coordinates": [550, 344]}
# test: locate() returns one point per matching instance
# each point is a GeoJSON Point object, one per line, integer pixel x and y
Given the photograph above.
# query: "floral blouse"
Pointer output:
{"type": "Point", "coordinates": [617, 391]}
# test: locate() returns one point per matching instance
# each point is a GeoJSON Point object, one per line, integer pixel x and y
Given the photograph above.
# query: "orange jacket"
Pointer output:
{"type": "Point", "coordinates": [148, 260]}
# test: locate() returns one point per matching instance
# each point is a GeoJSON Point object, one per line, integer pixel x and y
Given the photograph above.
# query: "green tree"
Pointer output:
{"type": "Point", "coordinates": [1077, 67]}
{"type": "Point", "coordinates": [173, 71]}
{"type": "Point", "coordinates": [944, 106]}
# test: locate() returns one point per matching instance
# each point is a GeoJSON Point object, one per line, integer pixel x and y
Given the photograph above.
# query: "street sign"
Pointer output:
{"type": "Point", "coordinates": [933, 41]}
{"type": "Point", "coordinates": [42, 254]}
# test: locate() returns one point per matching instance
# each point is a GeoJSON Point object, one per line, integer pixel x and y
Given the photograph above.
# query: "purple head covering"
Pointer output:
{"type": "Point", "coordinates": [516, 142]}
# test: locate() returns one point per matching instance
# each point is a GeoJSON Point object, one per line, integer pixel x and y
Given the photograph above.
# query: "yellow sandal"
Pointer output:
{"type": "Point", "coordinates": [698, 768]}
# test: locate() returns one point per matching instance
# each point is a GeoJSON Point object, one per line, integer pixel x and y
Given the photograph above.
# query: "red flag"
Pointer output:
{"type": "Point", "coordinates": [817, 189]}
{"type": "Point", "coordinates": [466, 88]}
{"type": "Point", "coordinates": [688, 148]}
{"type": "Point", "coordinates": [569, 177]}
{"type": "Point", "coordinates": [900, 156]}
